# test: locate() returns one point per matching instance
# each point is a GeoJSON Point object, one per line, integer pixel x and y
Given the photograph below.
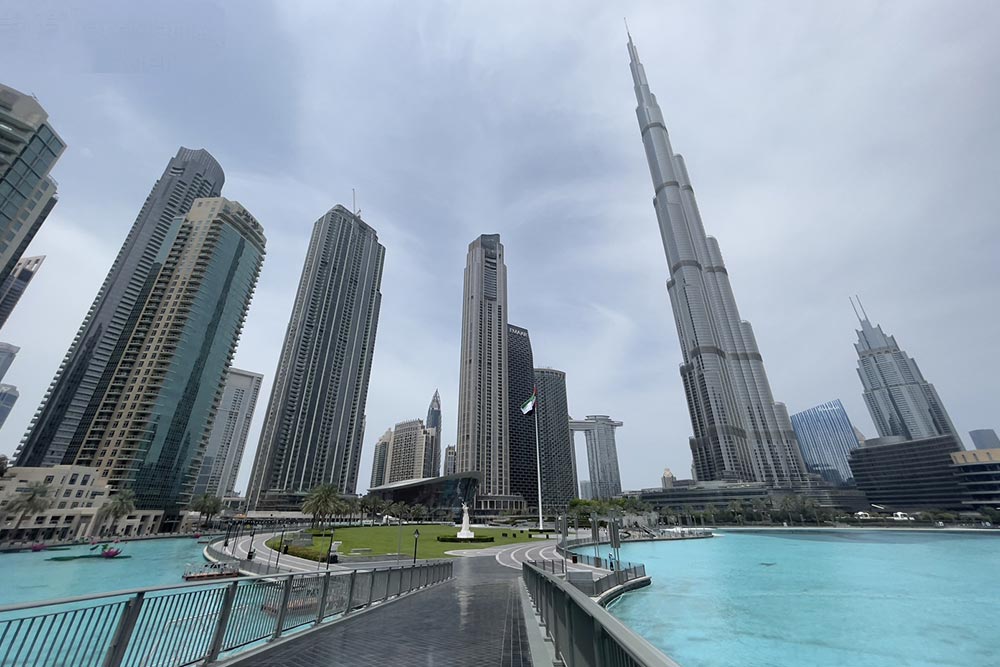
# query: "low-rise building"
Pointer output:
{"type": "Point", "coordinates": [76, 495]}
{"type": "Point", "coordinates": [909, 475]}
{"type": "Point", "coordinates": [978, 472]}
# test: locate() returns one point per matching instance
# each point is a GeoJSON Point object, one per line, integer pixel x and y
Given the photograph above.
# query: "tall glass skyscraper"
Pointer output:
{"type": "Point", "coordinates": [521, 427]}
{"type": "Point", "coordinates": [900, 400]}
{"type": "Point", "coordinates": [483, 444]}
{"type": "Point", "coordinates": [555, 441]}
{"type": "Point", "coordinates": [29, 148]}
{"type": "Point", "coordinates": [151, 428]}
{"type": "Point", "coordinates": [315, 420]}
{"type": "Point", "coordinates": [228, 439]}
{"type": "Point", "coordinates": [13, 287]}
{"type": "Point", "coordinates": [432, 467]}
{"type": "Point", "coordinates": [826, 437]}
{"type": "Point", "coordinates": [740, 432]}
{"type": "Point", "coordinates": [70, 404]}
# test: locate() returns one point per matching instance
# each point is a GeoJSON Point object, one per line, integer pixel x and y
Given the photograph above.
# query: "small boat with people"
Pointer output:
{"type": "Point", "coordinates": [107, 552]}
{"type": "Point", "coordinates": [210, 571]}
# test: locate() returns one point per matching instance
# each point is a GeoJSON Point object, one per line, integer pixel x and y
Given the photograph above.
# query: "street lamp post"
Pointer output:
{"type": "Point", "coordinates": [416, 538]}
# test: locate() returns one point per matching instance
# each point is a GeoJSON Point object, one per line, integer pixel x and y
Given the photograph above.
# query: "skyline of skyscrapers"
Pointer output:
{"type": "Point", "coordinates": [901, 402]}
{"type": "Point", "coordinates": [740, 432]}
{"type": "Point", "coordinates": [70, 405]}
{"type": "Point", "coordinates": [557, 454]}
{"type": "Point", "coordinates": [315, 421]}
{"type": "Point", "coordinates": [12, 288]}
{"type": "Point", "coordinates": [228, 438]}
{"type": "Point", "coordinates": [29, 149]}
{"type": "Point", "coordinates": [151, 426]}
{"type": "Point", "coordinates": [602, 454]}
{"type": "Point", "coordinates": [826, 437]}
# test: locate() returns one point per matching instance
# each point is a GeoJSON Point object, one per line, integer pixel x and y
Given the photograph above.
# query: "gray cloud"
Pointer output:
{"type": "Point", "coordinates": [835, 149]}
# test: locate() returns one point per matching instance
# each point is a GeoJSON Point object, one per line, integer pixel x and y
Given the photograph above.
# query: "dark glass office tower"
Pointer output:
{"type": "Point", "coordinates": [315, 420]}
{"type": "Point", "coordinates": [521, 427]}
{"type": "Point", "coordinates": [555, 442]}
{"type": "Point", "coordinates": [70, 404]}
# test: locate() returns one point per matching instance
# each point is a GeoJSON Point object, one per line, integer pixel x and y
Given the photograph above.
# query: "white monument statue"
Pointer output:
{"type": "Point", "coordinates": [465, 533]}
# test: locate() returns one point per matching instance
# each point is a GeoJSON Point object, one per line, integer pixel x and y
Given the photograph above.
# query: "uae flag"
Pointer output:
{"type": "Point", "coordinates": [529, 404]}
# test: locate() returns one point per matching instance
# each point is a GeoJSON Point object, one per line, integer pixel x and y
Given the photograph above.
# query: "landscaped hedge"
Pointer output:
{"type": "Point", "coordinates": [451, 538]}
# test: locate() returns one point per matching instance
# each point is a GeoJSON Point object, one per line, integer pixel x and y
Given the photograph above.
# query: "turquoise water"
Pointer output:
{"type": "Point", "coordinates": [28, 577]}
{"type": "Point", "coordinates": [784, 599]}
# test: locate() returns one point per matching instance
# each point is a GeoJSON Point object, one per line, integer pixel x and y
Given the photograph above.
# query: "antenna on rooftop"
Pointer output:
{"type": "Point", "coordinates": [854, 307]}
{"type": "Point", "coordinates": [861, 305]}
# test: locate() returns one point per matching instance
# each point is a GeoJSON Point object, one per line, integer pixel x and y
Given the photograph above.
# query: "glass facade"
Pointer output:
{"type": "Point", "coordinates": [521, 427]}
{"type": "Point", "coordinates": [442, 496]}
{"type": "Point", "coordinates": [555, 441]}
{"type": "Point", "coordinates": [29, 148]}
{"type": "Point", "coordinates": [826, 437]}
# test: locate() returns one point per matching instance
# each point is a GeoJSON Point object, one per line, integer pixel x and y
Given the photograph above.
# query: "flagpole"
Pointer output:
{"type": "Point", "coordinates": [538, 465]}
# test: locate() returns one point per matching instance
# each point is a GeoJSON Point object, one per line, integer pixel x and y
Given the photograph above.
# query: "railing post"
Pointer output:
{"type": "Point", "coordinates": [325, 590]}
{"type": "Point", "coordinates": [570, 657]}
{"type": "Point", "coordinates": [598, 644]}
{"type": "Point", "coordinates": [371, 586]}
{"type": "Point", "coordinates": [350, 592]}
{"type": "Point", "coordinates": [126, 624]}
{"type": "Point", "coordinates": [286, 594]}
{"type": "Point", "coordinates": [222, 623]}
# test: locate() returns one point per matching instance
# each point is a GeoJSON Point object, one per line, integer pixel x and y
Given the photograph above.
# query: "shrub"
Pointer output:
{"type": "Point", "coordinates": [452, 538]}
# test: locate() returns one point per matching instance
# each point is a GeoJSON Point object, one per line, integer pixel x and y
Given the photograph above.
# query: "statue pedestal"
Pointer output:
{"type": "Point", "coordinates": [465, 534]}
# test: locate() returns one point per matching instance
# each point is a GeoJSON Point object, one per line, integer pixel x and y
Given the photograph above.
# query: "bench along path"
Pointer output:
{"type": "Point", "coordinates": [474, 619]}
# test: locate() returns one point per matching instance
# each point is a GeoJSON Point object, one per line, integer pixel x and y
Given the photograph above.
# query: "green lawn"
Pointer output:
{"type": "Point", "coordinates": [386, 540]}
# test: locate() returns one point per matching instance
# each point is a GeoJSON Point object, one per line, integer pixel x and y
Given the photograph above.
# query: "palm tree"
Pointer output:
{"type": "Point", "coordinates": [418, 512]}
{"type": "Point", "coordinates": [207, 505]}
{"type": "Point", "coordinates": [119, 505]}
{"type": "Point", "coordinates": [321, 503]}
{"type": "Point", "coordinates": [31, 501]}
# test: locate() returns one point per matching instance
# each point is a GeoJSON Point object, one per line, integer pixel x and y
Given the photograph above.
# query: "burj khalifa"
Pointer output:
{"type": "Point", "coordinates": [740, 433]}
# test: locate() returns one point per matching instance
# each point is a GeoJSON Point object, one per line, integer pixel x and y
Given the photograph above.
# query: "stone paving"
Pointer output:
{"type": "Point", "coordinates": [474, 619]}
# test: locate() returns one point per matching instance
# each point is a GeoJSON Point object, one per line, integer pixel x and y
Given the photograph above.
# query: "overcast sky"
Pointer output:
{"type": "Point", "coordinates": [836, 148]}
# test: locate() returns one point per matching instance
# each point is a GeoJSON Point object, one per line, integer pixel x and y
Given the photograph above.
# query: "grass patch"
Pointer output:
{"type": "Point", "coordinates": [386, 540]}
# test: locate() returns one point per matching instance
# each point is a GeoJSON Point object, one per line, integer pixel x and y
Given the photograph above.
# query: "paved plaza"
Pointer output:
{"type": "Point", "coordinates": [474, 619]}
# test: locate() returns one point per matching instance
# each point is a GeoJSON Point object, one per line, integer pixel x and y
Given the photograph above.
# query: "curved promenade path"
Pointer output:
{"type": "Point", "coordinates": [477, 618]}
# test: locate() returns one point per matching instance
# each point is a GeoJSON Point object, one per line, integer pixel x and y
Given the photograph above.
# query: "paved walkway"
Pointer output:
{"type": "Point", "coordinates": [474, 619]}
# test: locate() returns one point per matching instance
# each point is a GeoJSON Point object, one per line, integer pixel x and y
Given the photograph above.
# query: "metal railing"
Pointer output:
{"type": "Point", "coordinates": [553, 566]}
{"type": "Point", "coordinates": [583, 633]}
{"type": "Point", "coordinates": [186, 624]}
{"type": "Point", "coordinates": [269, 563]}
{"type": "Point", "coordinates": [617, 577]}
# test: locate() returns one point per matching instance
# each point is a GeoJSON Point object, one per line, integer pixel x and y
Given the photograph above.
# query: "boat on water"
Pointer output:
{"type": "Point", "coordinates": [211, 571]}
{"type": "Point", "coordinates": [107, 551]}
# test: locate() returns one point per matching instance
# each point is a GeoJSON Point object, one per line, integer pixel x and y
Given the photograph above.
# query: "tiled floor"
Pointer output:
{"type": "Point", "coordinates": [475, 619]}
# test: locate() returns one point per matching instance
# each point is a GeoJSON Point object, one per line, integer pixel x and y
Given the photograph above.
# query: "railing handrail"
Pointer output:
{"type": "Point", "coordinates": [192, 584]}
{"type": "Point", "coordinates": [195, 626]}
{"type": "Point", "coordinates": [639, 649]}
